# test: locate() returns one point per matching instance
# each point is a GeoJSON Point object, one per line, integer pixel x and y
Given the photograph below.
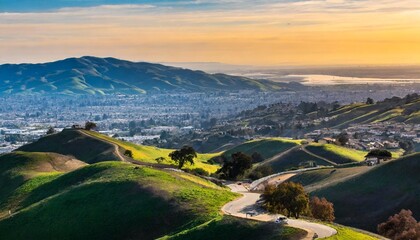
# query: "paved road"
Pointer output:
{"type": "Point", "coordinates": [247, 203]}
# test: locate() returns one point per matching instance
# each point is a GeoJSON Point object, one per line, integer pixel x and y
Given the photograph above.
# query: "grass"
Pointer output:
{"type": "Point", "coordinates": [149, 153]}
{"type": "Point", "coordinates": [267, 147]}
{"type": "Point", "coordinates": [115, 200]}
{"type": "Point", "coordinates": [70, 142]}
{"type": "Point", "coordinates": [316, 179]}
{"type": "Point", "coordinates": [293, 159]}
{"type": "Point", "coordinates": [228, 227]}
{"type": "Point", "coordinates": [370, 198]}
{"type": "Point", "coordinates": [337, 153]}
{"type": "Point", "coordinates": [346, 233]}
{"type": "Point", "coordinates": [21, 172]}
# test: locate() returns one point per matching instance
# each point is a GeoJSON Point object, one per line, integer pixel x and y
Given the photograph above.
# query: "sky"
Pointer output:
{"type": "Point", "coordinates": [243, 32]}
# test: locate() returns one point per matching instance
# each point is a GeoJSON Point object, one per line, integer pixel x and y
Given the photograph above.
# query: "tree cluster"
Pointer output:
{"type": "Point", "coordinates": [379, 153]}
{"type": "Point", "coordinates": [287, 198]}
{"type": "Point", "coordinates": [401, 226]}
{"type": "Point", "coordinates": [235, 167]}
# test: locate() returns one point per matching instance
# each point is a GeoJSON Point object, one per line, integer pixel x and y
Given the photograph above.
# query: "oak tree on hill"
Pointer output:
{"type": "Point", "coordinates": [184, 155]}
{"type": "Point", "coordinates": [50, 131]}
{"type": "Point", "coordinates": [90, 125]}
{"type": "Point", "coordinates": [287, 198]}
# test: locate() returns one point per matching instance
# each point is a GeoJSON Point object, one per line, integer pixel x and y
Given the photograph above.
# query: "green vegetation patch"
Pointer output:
{"type": "Point", "coordinates": [346, 233]}
{"type": "Point", "coordinates": [149, 153]}
{"type": "Point", "coordinates": [114, 200]}
{"type": "Point", "coordinates": [336, 153]}
{"type": "Point", "coordinates": [294, 160]}
{"type": "Point", "coordinates": [370, 198]}
{"type": "Point", "coordinates": [235, 228]}
{"type": "Point", "coordinates": [267, 147]}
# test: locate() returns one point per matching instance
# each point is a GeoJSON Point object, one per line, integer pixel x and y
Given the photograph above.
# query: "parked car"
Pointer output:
{"type": "Point", "coordinates": [282, 220]}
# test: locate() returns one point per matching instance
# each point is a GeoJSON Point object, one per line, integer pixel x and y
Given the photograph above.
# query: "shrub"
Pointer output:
{"type": "Point", "coordinates": [322, 209]}
{"type": "Point", "coordinates": [401, 226]}
{"type": "Point", "coordinates": [128, 153]}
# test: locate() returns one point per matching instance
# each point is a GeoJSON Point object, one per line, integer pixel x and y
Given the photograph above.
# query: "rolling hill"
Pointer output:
{"type": "Point", "coordinates": [267, 147]}
{"type": "Point", "coordinates": [116, 200]}
{"type": "Point", "coordinates": [76, 144]}
{"type": "Point", "coordinates": [21, 172]}
{"type": "Point", "coordinates": [394, 109]}
{"type": "Point", "coordinates": [370, 198]}
{"type": "Point", "coordinates": [337, 154]}
{"type": "Point", "coordinates": [100, 76]}
{"type": "Point", "coordinates": [93, 147]}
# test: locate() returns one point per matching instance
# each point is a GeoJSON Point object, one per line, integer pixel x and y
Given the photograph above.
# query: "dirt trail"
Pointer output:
{"type": "Point", "coordinates": [317, 156]}
{"type": "Point", "coordinates": [279, 155]}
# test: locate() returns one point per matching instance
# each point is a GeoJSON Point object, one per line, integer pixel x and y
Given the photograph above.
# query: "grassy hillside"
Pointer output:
{"type": "Point", "coordinates": [235, 228]}
{"type": "Point", "coordinates": [149, 153]}
{"type": "Point", "coordinates": [21, 172]}
{"type": "Point", "coordinates": [370, 198]}
{"type": "Point", "coordinates": [346, 233]}
{"type": "Point", "coordinates": [74, 143]}
{"type": "Point", "coordinates": [399, 110]}
{"type": "Point", "coordinates": [293, 160]}
{"type": "Point", "coordinates": [116, 200]}
{"type": "Point", "coordinates": [319, 178]}
{"type": "Point", "coordinates": [93, 147]}
{"type": "Point", "coordinates": [267, 147]}
{"type": "Point", "coordinates": [336, 153]}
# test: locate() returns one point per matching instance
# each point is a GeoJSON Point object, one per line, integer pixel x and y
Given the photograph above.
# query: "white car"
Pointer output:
{"type": "Point", "coordinates": [282, 220]}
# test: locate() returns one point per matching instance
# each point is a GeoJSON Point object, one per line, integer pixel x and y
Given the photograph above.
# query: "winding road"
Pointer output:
{"type": "Point", "coordinates": [248, 204]}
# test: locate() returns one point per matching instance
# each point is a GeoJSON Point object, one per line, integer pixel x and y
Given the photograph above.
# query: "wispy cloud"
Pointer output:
{"type": "Point", "coordinates": [237, 31]}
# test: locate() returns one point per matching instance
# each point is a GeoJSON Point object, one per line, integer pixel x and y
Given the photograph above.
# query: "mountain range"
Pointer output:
{"type": "Point", "coordinates": [101, 76]}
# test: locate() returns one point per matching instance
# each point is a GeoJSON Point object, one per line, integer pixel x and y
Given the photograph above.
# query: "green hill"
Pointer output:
{"type": "Point", "coordinates": [370, 198]}
{"type": "Point", "coordinates": [294, 159]}
{"type": "Point", "coordinates": [74, 143]}
{"type": "Point", "coordinates": [336, 153]}
{"type": "Point", "coordinates": [315, 179]}
{"type": "Point", "coordinates": [93, 147]}
{"type": "Point", "coordinates": [267, 147]}
{"type": "Point", "coordinates": [394, 109]}
{"type": "Point", "coordinates": [21, 172]}
{"type": "Point", "coordinates": [116, 200]}
{"type": "Point", "coordinates": [102, 76]}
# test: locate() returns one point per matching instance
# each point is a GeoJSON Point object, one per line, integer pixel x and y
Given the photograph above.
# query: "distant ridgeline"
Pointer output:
{"type": "Point", "coordinates": [100, 76]}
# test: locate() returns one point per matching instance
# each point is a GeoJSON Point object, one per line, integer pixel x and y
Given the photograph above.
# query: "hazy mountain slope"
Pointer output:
{"type": "Point", "coordinates": [91, 75]}
{"type": "Point", "coordinates": [370, 198]}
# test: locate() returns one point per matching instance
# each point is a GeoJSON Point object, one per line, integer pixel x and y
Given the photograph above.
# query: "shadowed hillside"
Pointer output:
{"type": "Point", "coordinates": [370, 198]}
{"type": "Point", "coordinates": [74, 143]}
{"type": "Point", "coordinates": [116, 200]}
{"type": "Point", "coordinates": [21, 172]}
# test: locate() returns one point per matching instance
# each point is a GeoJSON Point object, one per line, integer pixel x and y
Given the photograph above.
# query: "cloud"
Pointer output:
{"type": "Point", "coordinates": [249, 32]}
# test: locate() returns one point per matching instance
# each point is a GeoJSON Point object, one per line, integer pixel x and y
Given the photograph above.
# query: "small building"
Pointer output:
{"type": "Point", "coordinates": [371, 161]}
